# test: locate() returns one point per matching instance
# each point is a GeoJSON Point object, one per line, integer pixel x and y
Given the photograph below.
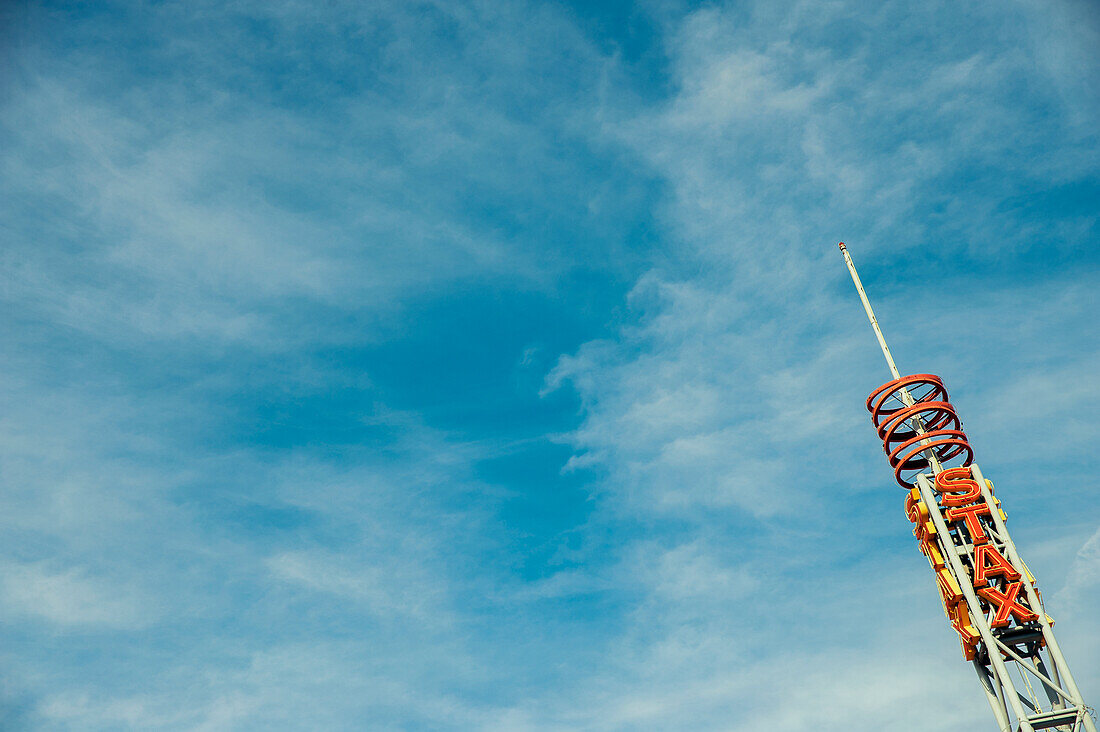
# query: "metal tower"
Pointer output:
{"type": "Point", "coordinates": [988, 594]}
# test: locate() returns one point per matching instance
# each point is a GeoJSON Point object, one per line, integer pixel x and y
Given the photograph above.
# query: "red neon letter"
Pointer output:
{"type": "Point", "coordinates": [956, 487]}
{"type": "Point", "coordinates": [970, 515]}
{"type": "Point", "coordinates": [988, 562]}
{"type": "Point", "coordinates": [1007, 604]}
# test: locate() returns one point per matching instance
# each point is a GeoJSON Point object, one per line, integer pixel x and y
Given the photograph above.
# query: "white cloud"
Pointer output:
{"type": "Point", "coordinates": [1082, 584]}
{"type": "Point", "coordinates": [71, 597]}
{"type": "Point", "coordinates": [393, 587]}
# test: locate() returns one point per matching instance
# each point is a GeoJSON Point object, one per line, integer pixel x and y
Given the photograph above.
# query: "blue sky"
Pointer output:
{"type": "Point", "coordinates": [491, 365]}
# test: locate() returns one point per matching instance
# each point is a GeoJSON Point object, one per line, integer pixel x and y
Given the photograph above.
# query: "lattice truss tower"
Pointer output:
{"type": "Point", "coordinates": [988, 594]}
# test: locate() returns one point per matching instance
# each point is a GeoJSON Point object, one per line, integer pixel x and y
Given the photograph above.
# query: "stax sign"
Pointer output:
{"type": "Point", "coordinates": [995, 580]}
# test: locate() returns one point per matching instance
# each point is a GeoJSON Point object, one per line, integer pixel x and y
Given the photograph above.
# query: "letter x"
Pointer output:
{"type": "Point", "coordinates": [1007, 604]}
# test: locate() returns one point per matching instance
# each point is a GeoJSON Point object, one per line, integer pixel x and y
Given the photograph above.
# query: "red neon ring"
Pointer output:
{"type": "Point", "coordinates": [945, 413]}
{"type": "Point", "coordinates": [892, 386]}
{"type": "Point", "coordinates": [882, 414]}
{"type": "Point", "coordinates": [894, 456]}
{"type": "Point", "coordinates": [959, 443]}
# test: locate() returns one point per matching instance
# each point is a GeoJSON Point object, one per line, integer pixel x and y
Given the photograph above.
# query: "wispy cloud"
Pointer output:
{"type": "Point", "coordinates": [69, 598]}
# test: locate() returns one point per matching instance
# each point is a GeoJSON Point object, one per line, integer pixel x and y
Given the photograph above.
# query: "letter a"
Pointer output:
{"type": "Point", "coordinates": [988, 562]}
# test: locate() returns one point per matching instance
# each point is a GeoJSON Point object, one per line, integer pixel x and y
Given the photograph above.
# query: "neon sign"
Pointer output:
{"type": "Point", "coordinates": [988, 594]}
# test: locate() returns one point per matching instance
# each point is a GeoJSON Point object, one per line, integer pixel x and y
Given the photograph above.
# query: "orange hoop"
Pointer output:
{"type": "Point", "coordinates": [909, 450]}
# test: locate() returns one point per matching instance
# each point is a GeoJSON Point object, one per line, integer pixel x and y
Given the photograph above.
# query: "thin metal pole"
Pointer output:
{"type": "Point", "coordinates": [993, 695]}
{"type": "Point", "coordinates": [933, 461]}
{"type": "Point", "coordinates": [874, 322]}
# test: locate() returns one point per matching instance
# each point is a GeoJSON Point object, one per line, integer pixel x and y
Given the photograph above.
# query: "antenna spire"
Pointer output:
{"type": "Point", "coordinates": [902, 391]}
{"type": "Point", "coordinates": [870, 312]}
